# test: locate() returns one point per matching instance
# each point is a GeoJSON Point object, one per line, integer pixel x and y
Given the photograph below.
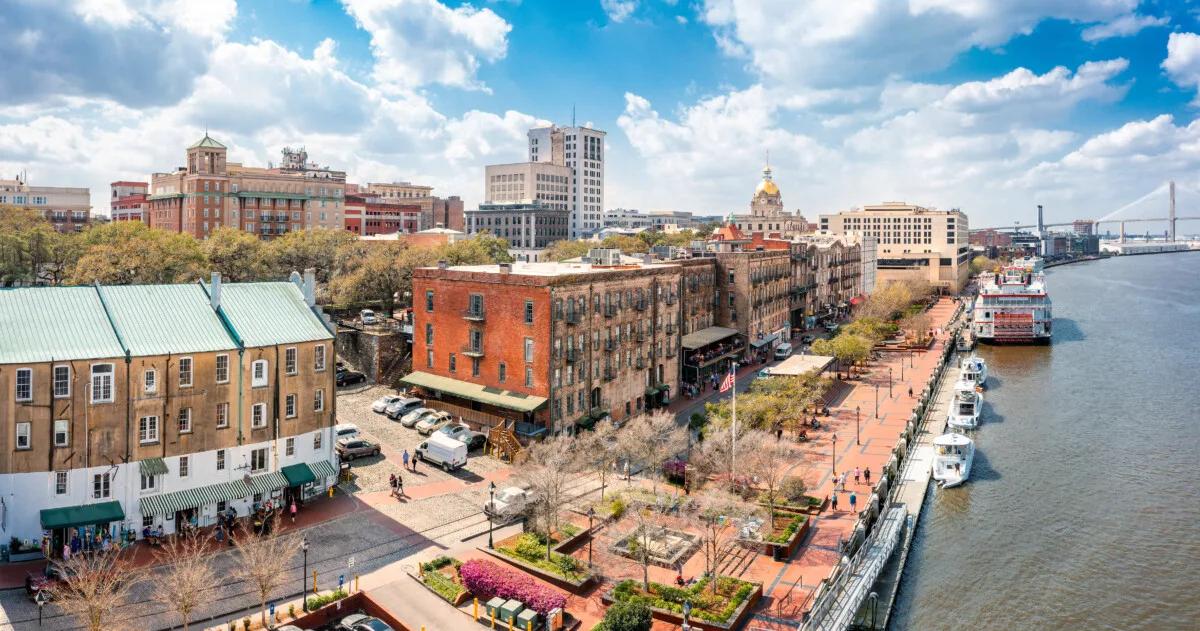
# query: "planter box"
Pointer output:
{"type": "Point", "coordinates": [574, 587]}
{"type": "Point", "coordinates": [31, 555]}
{"type": "Point", "coordinates": [788, 547]}
{"type": "Point", "coordinates": [735, 621]}
{"type": "Point", "coordinates": [461, 598]}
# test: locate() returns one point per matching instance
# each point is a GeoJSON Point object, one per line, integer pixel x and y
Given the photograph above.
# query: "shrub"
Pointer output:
{"type": "Point", "coordinates": [443, 586]}
{"type": "Point", "coordinates": [291, 611]}
{"type": "Point", "coordinates": [316, 602]}
{"type": "Point", "coordinates": [568, 564]}
{"type": "Point", "coordinates": [626, 616]}
{"type": "Point", "coordinates": [437, 564]}
{"type": "Point", "coordinates": [731, 593]}
{"type": "Point", "coordinates": [617, 508]}
{"type": "Point", "coordinates": [793, 489]}
{"type": "Point", "coordinates": [486, 580]}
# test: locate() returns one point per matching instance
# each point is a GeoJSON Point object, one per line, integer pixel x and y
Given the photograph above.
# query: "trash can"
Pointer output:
{"type": "Point", "coordinates": [527, 620]}
{"type": "Point", "coordinates": [510, 609]}
{"type": "Point", "coordinates": [493, 607]}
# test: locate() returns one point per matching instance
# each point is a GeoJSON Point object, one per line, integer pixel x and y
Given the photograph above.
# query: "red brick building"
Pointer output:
{"type": "Point", "coordinates": [128, 201]}
{"type": "Point", "coordinates": [368, 215]}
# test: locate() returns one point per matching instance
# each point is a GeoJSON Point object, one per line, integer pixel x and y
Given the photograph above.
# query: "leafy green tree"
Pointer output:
{"type": "Point", "coordinates": [313, 248]}
{"type": "Point", "coordinates": [128, 252]}
{"type": "Point", "coordinates": [565, 249]}
{"type": "Point", "coordinates": [627, 616]}
{"type": "Point", "coordinates": [625, 243]}
{"type": "Point", "coordinates": [239, 256]}
{"type": "Point", "coordinates": [30, 248]}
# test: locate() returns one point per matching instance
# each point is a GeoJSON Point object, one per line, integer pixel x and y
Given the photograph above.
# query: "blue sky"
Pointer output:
{"type": "Point", "coordinates": [992, 106]}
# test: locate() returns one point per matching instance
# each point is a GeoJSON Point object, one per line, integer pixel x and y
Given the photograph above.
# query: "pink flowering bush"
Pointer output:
{"type": "Point", "coordinates": [487, 580]}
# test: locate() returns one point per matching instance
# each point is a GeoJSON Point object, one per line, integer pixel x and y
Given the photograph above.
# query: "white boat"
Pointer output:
{"type": "Point", "coordinates": [965, 406]}
{"type": "Point", "coordinates": [953, 454]}
{"type": "Point", "coordinates": [974, 370]}
{"type": "Point", "coordinates": [1013, 306]}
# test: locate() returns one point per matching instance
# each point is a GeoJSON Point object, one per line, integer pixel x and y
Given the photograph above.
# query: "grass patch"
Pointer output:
{"type": "Point", "coordinates": [440, 575]}
{"type": "Point", "coordinates": [706, 605]}
{"type": "Point", "coordinates": [530, 548]}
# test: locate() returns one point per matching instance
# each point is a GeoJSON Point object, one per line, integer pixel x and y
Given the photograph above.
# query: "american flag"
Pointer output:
{"type": "Point", "coordinates": [727, 383]}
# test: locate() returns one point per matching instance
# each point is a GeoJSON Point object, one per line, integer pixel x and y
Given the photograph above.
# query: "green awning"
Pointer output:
{"type": "Point", "coordinates": [270, 195]}
{"type": "Point", "coordinates": [704, 337]}
{"type": "Point", "coordinates": [322, 469]}
{"type": "Point", "coordinates": [86, 515]}
{"type": "Point", "coordinates": [764, 341]}
{"type": "Point", "coordinates": [153, 466]}
{"type": "Point", "coordinates": [267, 482]}
{"type": "Point", "coordinates": [167, 504]}
{"type": "Point", "coordinates": [506, 399]}
{"type": "Point", "coordinates": [298, 474]}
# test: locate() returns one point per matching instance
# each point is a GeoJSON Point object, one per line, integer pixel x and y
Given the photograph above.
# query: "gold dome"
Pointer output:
{"type": "Point", "coordinates": [766, 187]}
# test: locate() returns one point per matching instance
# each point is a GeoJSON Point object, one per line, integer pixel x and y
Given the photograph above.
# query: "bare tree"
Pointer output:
{"type": "Point", "coordinates": [94, 586]}
{"type": "Point", "coordinates": [650, 440]}
{"type": "Point", "coordinates": [187, 573]}
{"type": "Point", "coordinates": [263, 559]}
{"type": "Point", "coordinates": [547, 469]}
{"type": "Point", "coordinates": [722, 515]}
{"type": "Point", "coordinates": [647, 514]}
{"type": "Point", "coordinates": [767, 462]}
{"type": "Point", "coordinates": [722, 457]}
{"type": "Point", "coordinates": [597, 451]}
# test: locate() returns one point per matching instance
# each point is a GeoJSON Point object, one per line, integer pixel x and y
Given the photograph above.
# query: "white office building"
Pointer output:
{"type": "Point", "coordinates": [581, 149]}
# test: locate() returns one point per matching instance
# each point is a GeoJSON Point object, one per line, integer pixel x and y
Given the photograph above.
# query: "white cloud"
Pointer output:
{"type": "Point", "coordinates": [419, 42]}
{"type": "Point", "coordinates": [1123, 26]}
{"type": "Point", "coordinates": [1183, 59]}
{"type": "Point", "coordinates": [618, 10]}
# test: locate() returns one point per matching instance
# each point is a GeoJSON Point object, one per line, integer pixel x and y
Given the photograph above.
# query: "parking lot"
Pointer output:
{"type": "Point", "coordinates": [354, 406]}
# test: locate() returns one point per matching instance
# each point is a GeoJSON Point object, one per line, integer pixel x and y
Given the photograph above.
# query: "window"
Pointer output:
{"type": "Point", "coordinates": [258, 374]}
{"type": "Point", "coordinates": [184, 465]}
{"type": "Point", "coordinates": [258, 416]}
{"type": "Point", "coordinates": [529, 376]}
{"type": "Point", "coordinates": [60, 482]}
{"type": "Point", "coordinates": [429, 300]}
{"type": "Point", "coordinates": [529, 349]}
{"type": "Point", "coordinates": [258, 459]}
{"type": "Point", "coordinates": [429, 358]}
{"type": "Point", "coordinates": [185, 421]}
{"type": "Point", "coordinates": [101, 485]}
{"type": "Point", "coordinates": [185, 372]}
{"type": "Point", "coordinates": [62, 382]}
{"type": "Point", "coordinates": [289, 406]}
{"type": "Point", "coordinates": [222, 415]}
{"type": "Point", "coordinates": [24, 384]}
{"type": "Point", "coordinates": [289, 360]}
{"type": "Point", "coordinates": [62, 433]}
{"type": "Point", "coordinates": [319, 357]}
{"type": "Point", "coordinates": [148, 482]}
{"type": "Point", "coordinates": [220, 460]}
{"type": "Point", "coordinates": [150, 380]}
{"type": "Point", "coordinates": [318, 400]}
{"type": "Point", "coordinates": [222, 369]}
{"type": "Point", "coordinates": [503, 372]}
{"type": "Point", "coordinates": [148, 429]}
{"type": "Point", "coordinates": [102, 383]}
{"type": "Point", "coordinates": [317, 441]}
{"type": "Point", "coordinates": [528, 312]}
{"type": "Point", "coordinates": [290, 447]}
{"type": "Point", "coordinates": [23, 430]}
{"type": "Point", "coordinates": [428, 334]}
{"type": "Point", "coordinates": [474, 366]}
{"type": "Point", "coordinates": [453, 363]}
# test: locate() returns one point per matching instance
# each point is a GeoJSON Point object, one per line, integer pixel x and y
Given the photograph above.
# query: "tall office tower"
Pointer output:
{"type": "Point", "coordinates": [581, 149]}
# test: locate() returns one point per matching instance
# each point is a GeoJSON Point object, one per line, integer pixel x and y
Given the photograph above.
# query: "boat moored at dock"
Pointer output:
{"type": "Point", "coordinates": [953, 455]}
{"type": "Point", "coordinates": [1013, 306]}
{"type": "Point", "coordinates": [965, 406]}
{"type": "Point", "coordinates": [973, 370]}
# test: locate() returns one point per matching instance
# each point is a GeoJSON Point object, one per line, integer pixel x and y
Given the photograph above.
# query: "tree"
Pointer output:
{"type": "Point", "coordinates": [129, 252]}
{"type": "Point", "coordinates": [379, 276]}
{"type": "Point", "coordinates": [94, 588]}
{"type": "Point", "coordinates": [565, 249]}
{"type": "Point", "coordinates": [625, 243]}
{"type": "Point", "coordinates": [481, 249]}
{"type": "Point", "coordinates": [722, 516]}
{"type": "Point", "coordinates": [238, 256]}
{"type": "Point", "coordinates": [871, 328]}
{"type": "Point", "coordinates": [647, 513]}
{"type": "Point", "coordinates": [263, 560]}
{"type": "Point", "coordinates": [597, 451]}
{"type": "Point", "coordinates": [983, 264]}
{"type": "Point", "coordinates": [768, 463]}
{"type": "Point", "coordinates": [848, 349]}
{"type": "Point", "coordinates": [548, 468]}
{"type": "Point", "coordinates": [650, 440]}
{"type": "Point", "coordinates": [30, 248]}
{"type": "Point", "coordinates": [917, 326]}
{"type": "Point", "coordinates": [626, 616]}
{"type": "Point", "coordinates": [187, 572]}
{"type": "Point", "coordinates": [314, 248]}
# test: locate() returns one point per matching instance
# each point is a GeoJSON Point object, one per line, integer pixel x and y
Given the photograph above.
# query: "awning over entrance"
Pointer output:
{"type": "Point", "coordinates": [267, 482]}
{"type": "Point", "coordinates": [298, 474]}
{"type": "Point", "coordinates": [704, 337]}
{"type": "Point", "coordinates": [167, 504]}
{"type": "Point", "coordinates": [85, 515]}
{"type": "Point", "coordinates": [764, 341]}
{"type": "Point", "coordinates": [153, 466]}
{"type": "Point", "coordinates": [321, 469]}
{"type": "Point", "coordinates": [506, 399]}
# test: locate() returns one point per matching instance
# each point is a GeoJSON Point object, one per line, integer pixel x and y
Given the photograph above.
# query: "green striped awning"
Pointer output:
{"type": "Point", "coordinates": [168, 503]}
{"type": "Point", "coordinates": [322, 469]}
{"type": "Point", "coordinates": [153, 466]}
{"type": "Point", "coordinates": [268, 482]}
{"type": "Point", "coordinates": [297, 474]}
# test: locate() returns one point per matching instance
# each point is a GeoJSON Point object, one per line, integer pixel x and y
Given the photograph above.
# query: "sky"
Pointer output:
{"type": "Point", "coordinates": [989, 106]}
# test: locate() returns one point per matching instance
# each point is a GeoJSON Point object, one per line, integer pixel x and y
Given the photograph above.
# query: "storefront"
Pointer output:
{"type": "Point", "coordinates": [305, 481]}
{"type": "Point", "coordinates": [709, 352]}
{"type": "Point", "coordinates": [81, 527]}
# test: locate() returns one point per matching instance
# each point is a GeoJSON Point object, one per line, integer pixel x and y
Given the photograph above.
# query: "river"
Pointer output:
{"type": "Point", "coordinates": [1083, 508]}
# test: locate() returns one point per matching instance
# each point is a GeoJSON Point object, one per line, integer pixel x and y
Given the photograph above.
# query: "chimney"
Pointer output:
{"type": "Point", "coordinates": [505, 268]}
{"type": "Point", "coordinates": [442, 264]}
{"type": "Point", "coordinates": [214, 291]}
{"type": "Point", "coordinates": [310, 287]}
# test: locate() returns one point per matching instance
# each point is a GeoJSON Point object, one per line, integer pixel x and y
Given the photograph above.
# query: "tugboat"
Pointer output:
{"type": "Point", "coordinates": [953, 454]}
{"type": "Point", "coordinates": [965, 406]}
{"type": "Point", "coordinates": [974, 370]}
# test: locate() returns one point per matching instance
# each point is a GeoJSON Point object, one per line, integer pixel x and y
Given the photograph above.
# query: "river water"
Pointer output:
{"type": "Point", "coordinates": [1083, 508]}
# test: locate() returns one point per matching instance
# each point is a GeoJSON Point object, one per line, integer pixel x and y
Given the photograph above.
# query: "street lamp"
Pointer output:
{"type": "Point", "coordinates": [857, 413]}
{"type": "Point", "coordinates": [889, 382]}
{"type": "Point", "coordinates": [833, 457]}
{"type": "Point", "coordinates": [304, 574]}
{"type": "Point", "coordinates": [901, 369]}
{"type": "Point", "coordinates": [41, 602]}
{"type": "Point", "coordinates": [876, 401]}
{"type": "Point", "coordinates": [591, 515]}
{"type": "Point", "coordinates": [874, 597]}
{"type": "Point", "coordinates": [491, 508]}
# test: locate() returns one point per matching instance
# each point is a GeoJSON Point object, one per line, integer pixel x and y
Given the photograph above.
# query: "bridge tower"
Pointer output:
{"type": "Point", "coordinates": [1041, 222]}
{"type": "Point", "coordinates": [1122, 232]}
{"type": "Point", "coordinates": [1171, 215]}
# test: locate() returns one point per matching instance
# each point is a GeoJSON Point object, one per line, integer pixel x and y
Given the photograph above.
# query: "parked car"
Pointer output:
{"type": "Point", "coordinates": [508, 503]}
{"type": "Point", "coordinates": [368, 317]}
{"type": "Point", "coordinates": [431, 424]}
{"type": "Point", "coordinates": [348, 377]}
{"type": "Point", "coordinates": [288, 627]}
{"type": "Point", "coordinates": [357, 448]}
{"type": "Point", "coordinates": [402, 407]}
{"type": "Point", "coordinates": [344, 431]}
{"type": "Point", "coordinates": [416, 416]}
{"type": "Point", "coordinates": [808, 339]}
{"type": "Point", "coordinates": [477, 441]}
{"type": "Point", "coordinates": [783, 351]}
{"type": "Point", "coordinates": [381, 404]}
{"type": "Point", "coordinates": [459, 431]}
{"type": "Point", "coordinates": [362, 622]}
{"type": "Point", "coordinates": [443, 451]}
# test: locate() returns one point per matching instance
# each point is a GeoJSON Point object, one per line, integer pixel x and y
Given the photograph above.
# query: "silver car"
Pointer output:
{"type": "Point", "coordinates": [432, 423]}
{"type": "Point", "coordinates": [402, 407]}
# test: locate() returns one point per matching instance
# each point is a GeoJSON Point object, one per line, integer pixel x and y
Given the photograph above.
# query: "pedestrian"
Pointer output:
{"type": "Point", "coordinates": [404, 458]}
{"type": "Point", "coordinates": [835, 499]}
{"type": "Point", "coordinates": [853, 501]}
{"type": "Point", "coordinates": [845, 474]}
{"type": "Point", "coordinates": [66, 552]}
{"type": "Point", "coordinates": [219, 534]}
{"type": "Point", "coordinates": [414, 463]}
{"type": "Point", "coordinates": [392, 484]}
{"type": "Point", "coordinates": [857, 474]}
{"type": "Point", "coordinates": [867, 474]}
{"type": "Point", "coordinates": [400, 484]}
{"type": "Point", "coordinates": [910, 392]}
{"type": "Point", "coordinates": [293, 509]}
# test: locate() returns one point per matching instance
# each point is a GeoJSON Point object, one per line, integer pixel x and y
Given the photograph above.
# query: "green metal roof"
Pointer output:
{"type": "Point", "coordinates": [298, 474]}
{"type": "Point", "coordinates": [271, 313]}
{"type": "Point", "coordinates": [162, 319]}
{"type": "Point", "coordinates": [207, 141]}
{"type": "Point", "coordinates": [268, 482]}
{"type": "Point", "coordinates": [492, 396]}
{"type": "Point", "coordinates": [85, 515]}
{"type": "Point", "coordinates": [42, 324]}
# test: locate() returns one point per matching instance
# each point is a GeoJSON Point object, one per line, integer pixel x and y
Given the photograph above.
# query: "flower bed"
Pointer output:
{"type": "Point", "coordinates": [723, 610]}
{"type": "Point", "coordinates": [441, 577]}
{"type": "Point", "coordinates": [486, 580]}
{"type": "Point", "coordinates": [792, 525]}
{"type": "Point", "coordinates": [807, 504]}
{"type": "Point", "coordinates": [529, 551]}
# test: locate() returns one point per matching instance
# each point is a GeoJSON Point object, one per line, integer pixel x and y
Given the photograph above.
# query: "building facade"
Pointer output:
{"type": "Point", "coordinates": [528, 182]}
{"type": "Point", "coordinates": [68, 209]}
{"type": "Point", "coordinates": [529, 228]}
{"type": "Point", "coordinates": [582, 150]}
{"type": "Point", "coordinates": [912, 243]}
{"type": "Point", "coordinates": [369, 215]}
{"type": "Point", "coordinates": [767, 215]}
{"type": "Point", "coordinates": [128, 201]}
{"type": "Point", "coordinates": [436, 212]}
{"type": "Point", "coordinates": [166, 403]}
{"type": "Point", "coordinates": [652, 220]}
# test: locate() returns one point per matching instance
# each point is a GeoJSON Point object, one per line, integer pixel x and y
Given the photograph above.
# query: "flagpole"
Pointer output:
{"type": "Point", "coordinates": [733, 435]}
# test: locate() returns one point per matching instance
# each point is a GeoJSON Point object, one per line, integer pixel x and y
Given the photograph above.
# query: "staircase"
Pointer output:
{"type": "Point", "coordinates": [504, 443]}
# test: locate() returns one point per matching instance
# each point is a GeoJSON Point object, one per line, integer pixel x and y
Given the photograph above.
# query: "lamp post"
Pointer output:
{"type": "Point", "coordinates": [41, 603]}
{"type": "Point", "coordinates": [901, 369]}
{"type": "Point", "coordinates": [874, 597]}
{"type": "Point", "coordinates": [833, 457]}
{"type": "Point", "coordinates": [857, 413]}
{"type": "Point", "coordinates": [889, 382]}
{"type": "Point", "coordinates": [304, 574]}
{"type": "Point", "coordinates": [491, 508]}
{"type": "Point", "coordinates": [591, 516]}
{"type": "Point", "coordinates": [876, 401]}
{"type": "Point", "coordinates": [910, 359]}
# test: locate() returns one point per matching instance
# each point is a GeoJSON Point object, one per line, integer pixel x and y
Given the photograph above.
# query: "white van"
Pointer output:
{"type": "Point", "coordinates": [440, 449]}
{"type": "Point", "coordinates": [368, 317]}
{"type": "Point", "coordinates": [783, 351]}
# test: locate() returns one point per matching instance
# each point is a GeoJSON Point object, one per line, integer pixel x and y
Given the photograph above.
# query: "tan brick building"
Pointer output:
{"type": "Point", "coordinates": [67, 208]}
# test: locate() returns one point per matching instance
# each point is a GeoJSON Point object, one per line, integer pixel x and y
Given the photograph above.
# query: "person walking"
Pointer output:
{"type": "Point", "coordinates": [293, 510]}
{"type": "Point", "coordinates": [867, 474]}
{"type": "Point", "coordinates": [910, 392]}
{"type": "Point", "coordinates": [414, 463]}
{"type": "Point", "coordinates": [392, 484]}
{"type": "Point", "coordinates": [404, 458]}
{"type": "Point", "coordinates": [835, 499]}
{"type": "Point", "coordinates": [857, 474]}
{"type": "Point", "coordinates": [853, 501]}
{"type": "Point", "coordinates": [400, 484]}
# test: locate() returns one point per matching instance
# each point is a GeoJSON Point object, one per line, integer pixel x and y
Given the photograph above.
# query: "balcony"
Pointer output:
{"type": "Point", "coordinates": [610, 310]}
{"type": "Point", "coordinates": [610, 374]}
{"type": "Point", "coordinates": [573, 317]}
{"type": "Point", "coordinates": [639, 363]}
{"type": "Point", "coordinates": [672, 299]}
{"type": "Point", "coordinates": [610, 344]}
{"type": "Point", "coordinates": [472, 351]}
{"type": "Point", "coordinates": [640, 305]}
{"type": "Point", "coordinates": [639, 335]}
{"type": "Point", "coordinates": [670, 329]}
{"type": "Point", "coordinates": [670, 352]}
{"type": "Point", "coordinates": [572, 355]}
{"type": "Point", "coordinates": [474, 314]}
